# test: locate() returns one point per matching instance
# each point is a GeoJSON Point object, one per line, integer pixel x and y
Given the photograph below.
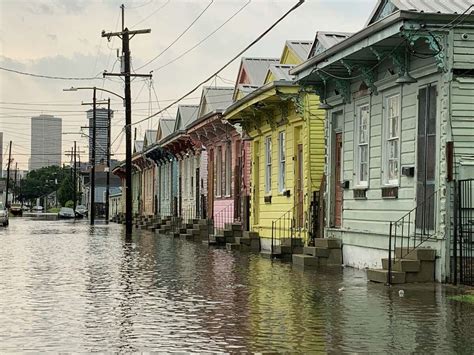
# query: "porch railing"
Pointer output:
{"type": "Point", "coordinates": [287, 228]}
{"type": "Point", "coordinates": [412, 230]}
{"type": "Point", "coordinates": [225, 215]}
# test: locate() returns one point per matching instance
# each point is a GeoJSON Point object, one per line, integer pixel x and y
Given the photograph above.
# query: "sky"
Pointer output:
{"type": "Point", "coordinates": [63, 38]}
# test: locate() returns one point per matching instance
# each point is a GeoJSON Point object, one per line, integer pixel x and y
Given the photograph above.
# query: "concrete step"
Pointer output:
{"type": "Point", "coordinates": [229, 239]}
{"type": "Point", "coordinates": [220, 239]}
{"type": "Point", "coordinates": [248, 234]}
{"type": "Point", "coordinates": [327, 243]}
{"type": "Point", "coordinates": [296, 242]}
{"type": "Point", "coordinates": [380, 275]}
{"type": "Point", "coordinates": [422, 254]}
{"type": "Point", "coordinates": [425, 274]}
{"type": "Point", "coordinates": [228, 233]}
{"type": "Point", "coordinates": [282, 249]}
{"type": "Point", "coordinates": [267, 254]}
{"type": "Point", "coordinates": [253, 244]}
{"type": "Point", "coordinates": [314, 251]}
{"type": "Point", "coordinates": [405, 265]}
{"type": "Point", "coordinates": [209, 242]}
{"type": "Point", "coordinates": [232, 246]}
{"type": "Point", "coordinates": [175, 234]}
{"type": "Point", "coordinates": [305, 261]}
{"type": "Point", "coordinates": [236, 226]}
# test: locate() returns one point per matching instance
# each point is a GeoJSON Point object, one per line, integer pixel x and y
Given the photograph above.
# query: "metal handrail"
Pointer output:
{"type": "Point", "coordinates": [286, 225]}
{"type": "Point", "coordinates": [412, 230]}
{"type": "Point", "coordinates": [225, 215]}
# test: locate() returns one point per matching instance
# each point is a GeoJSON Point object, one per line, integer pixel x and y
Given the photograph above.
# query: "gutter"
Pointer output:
{"type": "Point", "coordinates": [203, 118]}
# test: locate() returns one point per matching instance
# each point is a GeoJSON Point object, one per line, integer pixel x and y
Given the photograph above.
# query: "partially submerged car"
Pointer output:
{"type": "Point", "coordinates": [3, 215]}
{"type": "Point", "coordinates": [66, 213]}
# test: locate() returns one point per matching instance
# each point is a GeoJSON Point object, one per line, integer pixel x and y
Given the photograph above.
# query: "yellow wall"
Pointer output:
{"type": "Point", "coordinates": [289, 57]}
{"type": "Point", "coordinates": [311, 125]}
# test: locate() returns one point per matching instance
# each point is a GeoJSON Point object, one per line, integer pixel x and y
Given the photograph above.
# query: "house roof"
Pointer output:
{"type": "Point", "coordinates": [150, 137]}
{"type": "Point", "coordinates": [256, 69]}
{"type": "Point", "coordinates": [214, 98]}
{"type": "Point", "coordinates": [325, 40]}
{"type": "Point", "coordinates": [281, 71]}
{"type": "Point", "coordinates": [138, 146]}
{"type": "Point", "coordinates": [185, 115]}
{"type": "Point", "coordinates": [388, 25]}
{"type": "Point", "coordinates": [300, 48]}
{"type": "Point", "coordinates": [383, 8]}
{"type": "Point", "coordinates": [166, 125]}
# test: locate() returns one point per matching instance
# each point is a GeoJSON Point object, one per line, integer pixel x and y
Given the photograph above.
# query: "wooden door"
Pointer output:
{"type": "Point", "coordinates": [426, 158]}
{"type": "Point", "coordinates": [210, 184]}
{"type": "Point", "coordinates": [299, 186]}
{"type": "Point", "coordinates": [338, 192]}
{"type": "Point", "coordinates": [238, 182]}
{"type": "Point", "coordinates": [256, 186]}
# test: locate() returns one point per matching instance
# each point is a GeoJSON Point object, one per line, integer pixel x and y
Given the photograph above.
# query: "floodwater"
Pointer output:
{"type": "Point", "coordinates": [65, 286]}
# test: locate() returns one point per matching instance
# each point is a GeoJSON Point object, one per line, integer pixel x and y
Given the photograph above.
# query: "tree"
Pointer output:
{"type": "Point", "coordinates": [43, 181]}
{"type": "Point", "coordinates": [66, 190]}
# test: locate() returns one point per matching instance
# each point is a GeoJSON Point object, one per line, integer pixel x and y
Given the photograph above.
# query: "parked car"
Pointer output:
{"type": "Point", "coordinates": [81, 210]}
{"type": "Point", "coordinates": [66, 213]}
{"type": "Point", "coordinates": [37, 208]}
{"type": "Point", "coordinates": [16, 210]}
{"type": "Point", "coordinates": [3, 215]}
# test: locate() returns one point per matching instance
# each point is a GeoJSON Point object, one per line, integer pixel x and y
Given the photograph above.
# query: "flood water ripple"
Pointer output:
{"type": "Point", "coordinates": [66, 286]}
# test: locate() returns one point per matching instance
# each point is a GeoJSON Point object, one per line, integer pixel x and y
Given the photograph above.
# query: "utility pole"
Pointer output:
{"type": "Point", "coordinates": [125, 36]}
{"type": "Point", "coordinates": [107, 191]}
{"type": "Point", "coordinates": [14, 189]}
{"type": "Point", "coordinates": [92, 176]}
{"type": "Point", "coordinates": [8, 174]}
{"type": "Point", "coordinates": [74, 183]}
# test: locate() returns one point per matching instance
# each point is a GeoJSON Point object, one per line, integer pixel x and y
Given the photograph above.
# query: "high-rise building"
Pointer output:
{"type": "Point", "coordinates": [101, 117]}
{"type": "Point", "coordinates": [46, 141]}
{"type": "Point", "coordinates": [1, 154]}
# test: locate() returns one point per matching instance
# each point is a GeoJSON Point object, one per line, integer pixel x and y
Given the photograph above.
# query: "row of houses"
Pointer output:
{"type": "Point", "coordinates": [364, 138]}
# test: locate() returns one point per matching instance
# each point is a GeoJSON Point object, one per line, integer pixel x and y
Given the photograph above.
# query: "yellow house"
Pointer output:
{"type": "Point", "coordinates": [286, 128]}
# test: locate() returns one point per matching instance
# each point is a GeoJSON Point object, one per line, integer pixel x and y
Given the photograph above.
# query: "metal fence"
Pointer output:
{"type": "Point", "coordinates": [462, 246]}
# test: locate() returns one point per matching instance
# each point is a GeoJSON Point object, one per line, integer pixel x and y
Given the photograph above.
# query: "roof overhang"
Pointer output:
{"type": "Point", "coordinates": [390, 26]}
{"type": "Point", "coordinates": [268, 95]}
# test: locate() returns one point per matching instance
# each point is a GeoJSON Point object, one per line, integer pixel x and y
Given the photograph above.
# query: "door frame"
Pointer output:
{"type": "Point", "coordinates": [332, 184]}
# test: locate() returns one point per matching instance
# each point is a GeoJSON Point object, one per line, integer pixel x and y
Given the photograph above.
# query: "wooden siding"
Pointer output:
{"type": "Point", "coordinates": [373, 214]}
{"type": "Point", "coordinates": [463, 48]}
{"type": "Point", "coordinates": [310, 124]}
{"type": "Point", "coordinates": [462, 118]}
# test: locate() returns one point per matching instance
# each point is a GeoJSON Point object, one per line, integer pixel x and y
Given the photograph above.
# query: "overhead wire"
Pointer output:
{"type": "Point", "coordinates": [205, 38]}
{"type": "Point", "coordinates": [151, 14]}
{"type": "Point", "coordinates": [44, 76]}
{"type": "Point", "coordinates": [263, 34]}
{"type": "Point", "coordinates": [179, 37]}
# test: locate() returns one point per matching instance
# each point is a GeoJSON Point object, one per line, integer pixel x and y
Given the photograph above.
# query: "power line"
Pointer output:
{"type": "Point", "coordinates": [178, 38]}
{"type": "Point", "coordinates": [293, 8]}
{"type": "Point", "coordinates": [205, 38]}
{"type": "Point", "coordinates": [150, 15]}
{"type": "Point", "coordinates": [49, 76]}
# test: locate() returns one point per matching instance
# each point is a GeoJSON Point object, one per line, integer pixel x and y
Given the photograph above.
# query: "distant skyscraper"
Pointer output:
{"type": "Point", "coordinates": [101, 117]}
{"type": "Point", "coordinates": [46, 139]}
{"type": "Point", "coordinates": [1, 154]}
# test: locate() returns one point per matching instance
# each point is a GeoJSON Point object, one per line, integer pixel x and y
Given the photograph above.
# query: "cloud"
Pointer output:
{"type": "Point", "coordinates": [52, 36]}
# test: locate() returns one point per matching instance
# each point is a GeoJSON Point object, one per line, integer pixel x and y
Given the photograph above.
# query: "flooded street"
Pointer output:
{"type": "Point", "coordinates": [65, 286]}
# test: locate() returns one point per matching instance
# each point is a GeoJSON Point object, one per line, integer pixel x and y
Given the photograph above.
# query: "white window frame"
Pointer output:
{"type": "Point", "coordinates": [228, 170]}
{"type": "Point", "coordinates": [390, 137]}
{"type": "Point", "coordinates": [362, 130]}
{"type": "Point", "coordinates": [281, 161]}
{"type": "Point", "coordinates": [268, 164]}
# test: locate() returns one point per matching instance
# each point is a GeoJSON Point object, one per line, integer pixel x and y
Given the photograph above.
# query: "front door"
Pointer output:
{"type": "Point", "coordinates": [238, 182]}
{"type": "Point", "coordinates": [426, 159]}
{"type": "Point", "coordinates": [338, 193]}
{"type": "Point", "coordinates": [299, 187]}
{"type": "Point", "coordinates": [256, 182]}
{"type": "Point", "coordinates": [210, 184]}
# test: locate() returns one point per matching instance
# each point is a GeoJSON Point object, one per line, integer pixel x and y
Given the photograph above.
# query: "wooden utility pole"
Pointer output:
{"type": "Point", "coordinates": [107, 191]}
{"type": "Point", "coordinates": [125, 36]}
{"type": "Point", "coordinates": [74, 182]}
{"type": "Point", "coordinates": [16, 182]}
{"type": "Point", "coordinates": [8, 174]}
{"type": "Point", "coordinates": [92, 171]}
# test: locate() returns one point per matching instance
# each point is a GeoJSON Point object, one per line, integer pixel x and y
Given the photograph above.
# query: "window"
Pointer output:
{"type": "Point", "coordinates": [228, 170]}
{"type": "Point", "coordinates": [219, 172]}
{"type": "Point", "coordinates": [282, 161]}
{"type": "Point", "coordinates": [392, 140]}
{"type": "Point", "coordinates": [268, 164]}
{"type": "Point", "coordinates": [362, 146]}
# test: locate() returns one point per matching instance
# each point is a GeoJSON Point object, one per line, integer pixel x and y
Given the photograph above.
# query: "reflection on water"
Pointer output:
{"type": "Point", "coordinates": [65, 286]}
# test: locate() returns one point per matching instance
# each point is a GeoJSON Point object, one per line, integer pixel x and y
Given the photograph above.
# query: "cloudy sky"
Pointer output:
{"type": "Point", "coordinates": [62, 38]}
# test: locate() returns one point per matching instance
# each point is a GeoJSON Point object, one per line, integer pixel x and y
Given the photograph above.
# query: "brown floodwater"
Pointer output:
{"type": "Point", "coordinates": [66, 286]}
